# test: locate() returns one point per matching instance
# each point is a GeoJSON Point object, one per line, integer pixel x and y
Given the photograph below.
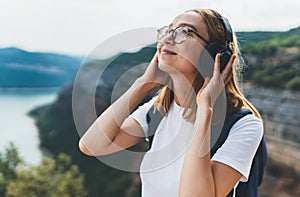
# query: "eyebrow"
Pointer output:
{"type": "Point", "coordinates": [185, 24]}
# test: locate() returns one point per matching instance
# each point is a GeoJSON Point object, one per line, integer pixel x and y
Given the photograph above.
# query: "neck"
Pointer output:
{"type": "Point", "coordinates": [182, 88]}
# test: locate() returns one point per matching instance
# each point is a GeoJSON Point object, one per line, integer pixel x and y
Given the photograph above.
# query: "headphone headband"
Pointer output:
{"type": "Point", "coordinates": [228, 29]}
{"type": "Point", "coordinates": [208, 56]}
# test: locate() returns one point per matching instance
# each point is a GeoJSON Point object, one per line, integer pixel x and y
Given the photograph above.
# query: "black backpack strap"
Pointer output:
{"type": "Point", "coordinates": [226, 128]}
{"type": "Point", "coordinates": [263, 152]}
{"type": "Point", "coordinates": [249, 188]}
{"type": "Point", "coordinates": [153, 119]}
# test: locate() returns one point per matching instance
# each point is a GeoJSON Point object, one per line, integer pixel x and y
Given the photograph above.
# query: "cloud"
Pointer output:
{"type": "Point", "coordinates": [78, 26]}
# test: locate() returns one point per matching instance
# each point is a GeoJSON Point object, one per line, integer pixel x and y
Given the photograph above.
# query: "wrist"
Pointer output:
{"type": "Point", "coordinates": [145, 87]}
{"type": "Point", "coordinates": [204, 102]}
{"type": "Point", "coordinates": [205, 110]}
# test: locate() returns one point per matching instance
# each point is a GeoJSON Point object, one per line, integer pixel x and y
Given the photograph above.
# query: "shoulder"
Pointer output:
{"type": "Point", "coordinates": [140, 114]}
{"type": "Point", "coordinates": [240, 147]}
{"type": "Point", "coordinates": [145, 107]}
{"type": "Point", "coordinates": [248, 125]}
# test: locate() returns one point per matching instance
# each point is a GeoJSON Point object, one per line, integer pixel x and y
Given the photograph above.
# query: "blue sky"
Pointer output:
{"type": "Point", "coordinates": [78, 26]}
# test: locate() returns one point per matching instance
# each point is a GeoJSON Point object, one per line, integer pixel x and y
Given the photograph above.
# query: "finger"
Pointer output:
{"type": "Point", "coordinates": [228, 69]}
{"type": "Point", "coordinates": [155, 58]}
{"type": "Point", "coordinates": [217, 65]}
{"type": "Point", "coordinates": [154, 62]}
{"type": "Point", "coordinates": [226, 73]}
{"type": "Point", "coordinates": [226, 81]}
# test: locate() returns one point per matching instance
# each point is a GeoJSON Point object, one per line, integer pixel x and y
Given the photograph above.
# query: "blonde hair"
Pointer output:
{"type": "Point", "coordinates": [235, 98]}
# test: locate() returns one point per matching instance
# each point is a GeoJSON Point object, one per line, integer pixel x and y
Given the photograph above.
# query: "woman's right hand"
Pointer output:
{"type": "Point", "coordinates": [154, 77]}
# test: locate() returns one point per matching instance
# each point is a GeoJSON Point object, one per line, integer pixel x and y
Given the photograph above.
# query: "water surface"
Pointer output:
{"type": "Point", "coordinates": [16, 126]}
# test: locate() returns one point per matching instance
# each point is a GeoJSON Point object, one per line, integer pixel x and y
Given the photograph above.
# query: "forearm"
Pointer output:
{"type": "Point", "coordinates": [105, 128]}
{"type": "Point", "coordinates": [196, 178]}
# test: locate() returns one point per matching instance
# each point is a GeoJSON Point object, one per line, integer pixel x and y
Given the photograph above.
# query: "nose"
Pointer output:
{"type": "Point", "coordinates": [168, 38]}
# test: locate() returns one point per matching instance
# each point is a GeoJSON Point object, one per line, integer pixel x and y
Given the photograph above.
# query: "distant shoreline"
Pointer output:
{"type": "Point", "coordinates": [29, 89]}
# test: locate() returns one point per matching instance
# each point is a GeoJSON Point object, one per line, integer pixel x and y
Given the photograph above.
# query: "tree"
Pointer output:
{"type": "Point", "coordinates": [53, 178]}
{"type": "Point", "coordinates": [9, 161]}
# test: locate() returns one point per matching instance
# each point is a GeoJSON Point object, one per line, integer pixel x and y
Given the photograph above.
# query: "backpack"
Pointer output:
{"type": "Point", "coordinates": [259, 162]}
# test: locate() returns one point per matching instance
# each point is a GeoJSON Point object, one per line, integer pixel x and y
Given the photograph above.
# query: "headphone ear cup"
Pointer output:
{"type": "Point", "coordinates": [224, 59]}
{"type": "Point", "coordinates": [208, 55]}
{"type": "Point", "coordinates": [207, 58]}
{"type": "Point", "coordinates": [214, 48]}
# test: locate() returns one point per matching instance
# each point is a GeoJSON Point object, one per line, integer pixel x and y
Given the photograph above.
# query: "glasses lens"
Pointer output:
{"type": "Point", "coordinates": [180, 34]}
{"type": "Point", "coordinates": [162, 32]}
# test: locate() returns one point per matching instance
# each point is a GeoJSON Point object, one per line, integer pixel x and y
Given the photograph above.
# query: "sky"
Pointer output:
{"type": "Point", "coordinates": [76, 27]}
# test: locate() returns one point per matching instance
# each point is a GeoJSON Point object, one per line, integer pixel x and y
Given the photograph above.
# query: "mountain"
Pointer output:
{"type": "Point", "coordinates": [274, 37]}
{"type": "Point", "coordinates": [245, 38]}
{"type": "Point", "coordinates": [23, 69]}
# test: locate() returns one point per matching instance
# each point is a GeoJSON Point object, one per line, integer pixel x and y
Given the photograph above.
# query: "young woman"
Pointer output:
{"type": "Point", "coordinates": [188, 98]}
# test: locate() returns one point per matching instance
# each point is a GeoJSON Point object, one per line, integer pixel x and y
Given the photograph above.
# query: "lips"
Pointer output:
{"type": "Point", "coordinates": [168, 52]}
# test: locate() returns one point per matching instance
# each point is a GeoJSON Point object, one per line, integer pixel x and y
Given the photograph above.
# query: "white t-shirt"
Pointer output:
{"type": "Point", "coordinates": [161, 167]}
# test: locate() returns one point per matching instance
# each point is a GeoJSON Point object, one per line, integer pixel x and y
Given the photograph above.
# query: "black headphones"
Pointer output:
{"type": "Point", "coordinates": [208, 55]}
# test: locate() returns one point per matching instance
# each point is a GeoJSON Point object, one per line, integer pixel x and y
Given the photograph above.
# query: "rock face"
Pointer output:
{"type": "Point", "coordinates": [280, 110]}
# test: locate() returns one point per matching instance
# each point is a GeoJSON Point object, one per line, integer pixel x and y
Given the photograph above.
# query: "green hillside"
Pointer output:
{"type": "Point", "coordinates": [255, 42]}
{"type": "Point", "coordinates": [277, 57]}
{"type": "Point", "coordinates": [245, 38]}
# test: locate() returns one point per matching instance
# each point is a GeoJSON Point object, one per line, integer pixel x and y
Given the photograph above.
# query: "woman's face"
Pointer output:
{"type": "Point", "coordinates": [183, 57]}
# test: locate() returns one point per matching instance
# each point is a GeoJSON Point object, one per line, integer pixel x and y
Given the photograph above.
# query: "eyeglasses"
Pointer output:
{"type": "Point", "coordinates": [179, 34]}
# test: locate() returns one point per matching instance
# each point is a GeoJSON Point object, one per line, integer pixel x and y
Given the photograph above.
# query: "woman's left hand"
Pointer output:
{"type": "Point", "coordinates": [213, 87]}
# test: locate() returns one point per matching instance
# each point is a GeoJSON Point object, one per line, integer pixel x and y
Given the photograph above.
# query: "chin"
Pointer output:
{"type": "Point", "coordinates": [166, 61]}
{"type": "Point", "coordinates": [166, 66]}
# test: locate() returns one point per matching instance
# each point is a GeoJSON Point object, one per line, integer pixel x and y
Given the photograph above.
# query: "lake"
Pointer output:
{"type": "Point", "coordinates": [16, 126]}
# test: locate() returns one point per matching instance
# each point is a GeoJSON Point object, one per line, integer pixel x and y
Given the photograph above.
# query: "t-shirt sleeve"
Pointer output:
{"type": "Point", "coordinates": [241, 145]}
{"type": "Point", "coordinates": [140, 115]}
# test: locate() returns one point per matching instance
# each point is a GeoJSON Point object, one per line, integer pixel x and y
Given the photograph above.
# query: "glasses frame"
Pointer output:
{"type": "Point", "coordinates": [189, 30]}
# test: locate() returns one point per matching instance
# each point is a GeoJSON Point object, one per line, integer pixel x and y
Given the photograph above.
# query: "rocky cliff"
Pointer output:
{"type": "Point", "coordinates": [280, 110]}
